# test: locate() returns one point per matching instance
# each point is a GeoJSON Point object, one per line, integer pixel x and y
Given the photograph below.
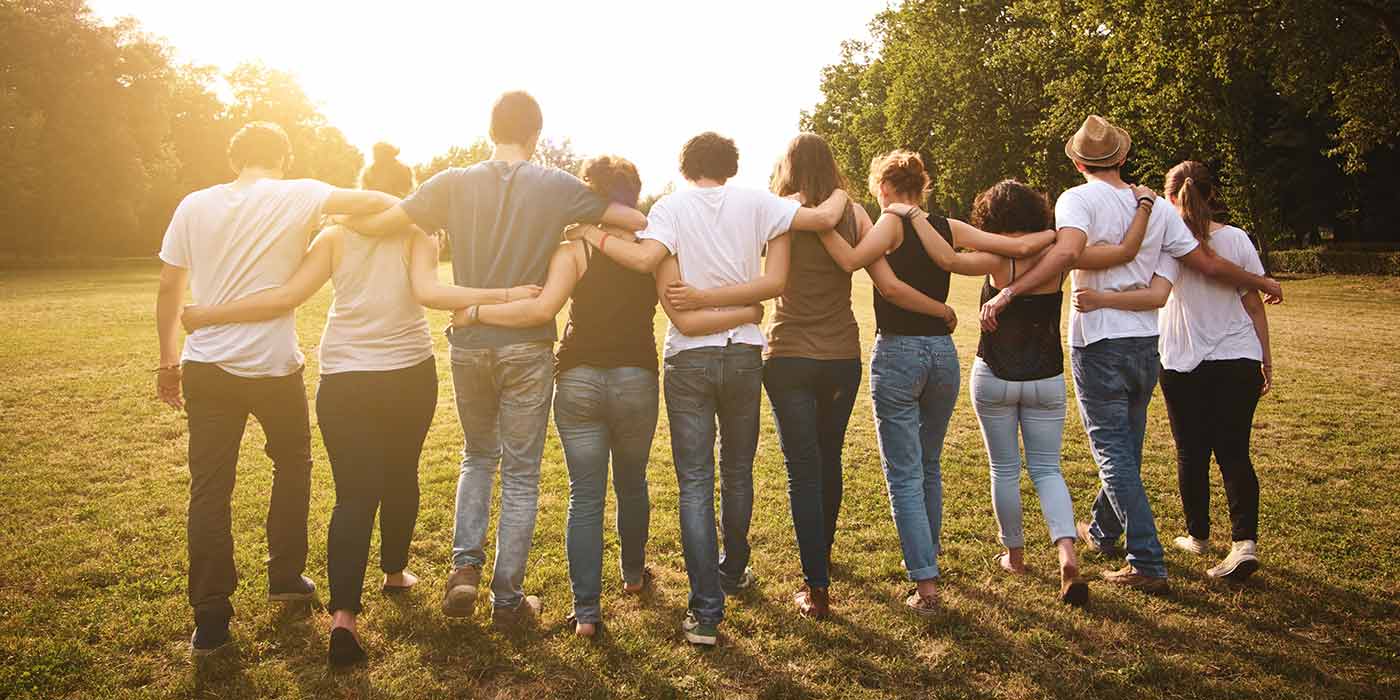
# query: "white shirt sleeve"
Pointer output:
{"type": "Point", "coordinates": [1071, 211]}
{"type": "Point", "coordinates": [661, 226]}
{"type": "Point", "coordinates": [310, 198]}
{"type": "Point", "coordinates": [1168, 268]}
{"type": "Point", "coordinates": [776, 214]}
{"type": "Point", "coordinates": [175, 247]}
{"type": "Point", "coordinates": [1176, 237]}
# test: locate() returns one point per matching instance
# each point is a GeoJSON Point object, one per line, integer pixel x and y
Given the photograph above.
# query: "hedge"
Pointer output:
{"type": "Point", "coordinates": [1336, 262]}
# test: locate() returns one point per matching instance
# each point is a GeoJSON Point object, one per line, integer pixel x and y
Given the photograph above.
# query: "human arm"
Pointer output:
{"type": "Point", "coordinates": [943, 255]}
{"type": "Point", "coordinates": [895, 291]}
{"type": "Point", "coordinates": [431, 292]}
{"type": "Point", "coordinates": [703, 321]}
{"type": "Point", "coordinates": [1153, 296]}
{"type": "Point", "coordinates": [538, 311]}
{"type": "Point", "coordinates": [623, 217]}
{"type": "Point", "coordinates": [875, 241]}
{"type": "Point", "coordinates": [1069, 245]}
{"type": "Point", "coordinates": [1099, 257]}
{"type": "Point", "coordinates": [766, 286]}
{"type": "Point", "coordinates": [357, 202]}
{"type": "Point", "coordinates": [642, 255]}
{"type": "Point", "coordinates": [310, 275]}
{"type": "Point", "coordinates": [824, 216]}
{"type": "Point", "coordinates": [170, 296]}
{"type": "Point", "coordinates": [1226, 272]}
{"type": "Point", "coordinates": [1254, 306]}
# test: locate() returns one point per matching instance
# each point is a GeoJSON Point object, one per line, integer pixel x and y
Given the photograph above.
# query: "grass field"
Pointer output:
{"type": "Point", "coordinates": [93, 486]}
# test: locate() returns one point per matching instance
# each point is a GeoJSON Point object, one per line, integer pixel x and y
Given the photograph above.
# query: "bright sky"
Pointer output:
{"type": "Point", "coordinates": [630, 77]}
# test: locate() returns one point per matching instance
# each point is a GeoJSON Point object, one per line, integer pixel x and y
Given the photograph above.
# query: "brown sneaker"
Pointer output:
{"type": "Point", "coordinates": [460, 597]}
{"type": "Point", "coordinates": [1094, 545]}
{"type": "Point", "coordinates": [1074, 590]}
{"type": "Point", "coordinates": [921, 605]}
{"type": "Point", "coordinates": [813, 602]}
{"type": "Point", "coordinates": [1128, 577]}
{"type": "Point", "coordinates": [526, 612]}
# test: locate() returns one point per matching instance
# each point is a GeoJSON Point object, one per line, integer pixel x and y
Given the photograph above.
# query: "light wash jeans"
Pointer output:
{"type": "Point", "coordinates": [703, 385]}
{"type": "Point", "coordinates": [1114, 379]}
{"type": "Point", "coordinates": [1036, 410]}
{"type": "Point", "coordinates": [601, 412]}
{"type": "Point", "coordinates": [914, 386]}
{"type": "Point", "coordinates": [503, 403]}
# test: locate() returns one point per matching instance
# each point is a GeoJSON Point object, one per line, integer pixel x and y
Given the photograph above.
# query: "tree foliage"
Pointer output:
{"type": "Point", "coordinates": [1293, 102]}
{"type": "Point", "coordinates": [102, 131]}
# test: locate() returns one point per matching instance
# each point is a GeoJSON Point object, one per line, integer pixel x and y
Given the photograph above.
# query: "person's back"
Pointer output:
{"type": "Point", "coordinates": [912, 265]}
{"type": "Point", "coordinates": [374, 323]}
{"type": "Point", "coordinates": [1203, 319]}
{"type": "Point", "coordinates": [235, 241]}
{"type": "Point", "coordinates": [813, 317]}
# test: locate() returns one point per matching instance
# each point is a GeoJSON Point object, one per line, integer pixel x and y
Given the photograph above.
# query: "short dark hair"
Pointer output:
{"type": "Point", "coordinates": [260, 144]}
{"type": "Point", "coordinates": [612, 177]}
{"type": "Point", "coordinates": [1101, 168]}
{"type": "Point", "coordinates": [1011, 207]}
{"type": "Point", "coordinates": [711, 156]}
{"type": "Point", "coordinates": [515, 118]}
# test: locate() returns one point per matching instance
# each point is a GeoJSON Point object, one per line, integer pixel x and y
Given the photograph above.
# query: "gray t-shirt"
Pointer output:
{"type": "Point", "coordinates": [505, 221]}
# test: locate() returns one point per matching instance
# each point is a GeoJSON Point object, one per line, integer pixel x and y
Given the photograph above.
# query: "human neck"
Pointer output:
{"type": "Point", "coordinates": [707, 182]}
{"type": "Point", "coordinates": [251, 174]}
{"type": "Point", "coordinates": [509, 152]}
{"type": "Point", "coordinates": [1112, 178]}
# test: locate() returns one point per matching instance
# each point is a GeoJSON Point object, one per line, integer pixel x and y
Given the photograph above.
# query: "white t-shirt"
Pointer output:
{"type": "Point", "coordinates": [1105, 212]}
{"type": "Point", "coordinates": [1205, 319]}
{"type": "Point", "coordinates": [235, 242]}
{"type": "Point", "coordinates": [718, 235]}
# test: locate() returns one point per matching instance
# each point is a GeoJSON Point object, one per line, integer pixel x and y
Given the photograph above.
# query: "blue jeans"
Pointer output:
{"type": "Point", "coordinates": [914, 386]}
{"type": "Point", "coordinates": [602, 412]}
{"type": "Point", "coordinates": [812, 402]}
{"type": "Point", "coordinates": [503, 403]}
{"type": "Point", "coordinates": [1034, 411]}
{"type": "Point", "coordinates": [1114, 379]}
{"type": "Point", "coordinates": [702, 385]}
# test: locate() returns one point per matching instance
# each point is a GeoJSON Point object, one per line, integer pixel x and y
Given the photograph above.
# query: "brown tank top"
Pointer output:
{"type": "Point", "coordinates": [813, 318]}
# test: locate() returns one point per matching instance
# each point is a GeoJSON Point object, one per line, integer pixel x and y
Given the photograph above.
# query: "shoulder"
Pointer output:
{"type": "Point", "coordinates": [1234, 239]}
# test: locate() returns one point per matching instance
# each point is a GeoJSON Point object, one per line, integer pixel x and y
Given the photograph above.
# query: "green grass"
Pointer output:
{"type": "Point", "coordinates": [93, 486]}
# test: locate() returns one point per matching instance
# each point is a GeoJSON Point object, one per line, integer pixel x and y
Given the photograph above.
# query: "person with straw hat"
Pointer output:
{"type": "Point", "coordinates": [1113, 354]}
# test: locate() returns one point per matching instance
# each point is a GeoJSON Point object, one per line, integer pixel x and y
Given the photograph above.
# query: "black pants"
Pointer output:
{"type": "Point", "coordinates": [373, 424]}
{"type": "Point", "coordinates": [218, 405]}
{"type": "Point", "coordinates": [1211, 409]}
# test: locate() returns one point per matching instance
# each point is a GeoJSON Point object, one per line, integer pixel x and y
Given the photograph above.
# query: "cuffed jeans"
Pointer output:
{"type": "Point", "coordinates": [602, 411]}
{"type": "Point", "coordinates": [812, 402]}
{"type": "Point", "coordinates": [373, 424]}
{"type": "Point", "coordinates": [914, 385]}
{"type": "Point", "coordinates": [503, 403]}
{"type": "Point", "coordinates": [218, 404]}
{"type": "Point", "coordinates": [703, 385]}
{"type": "Point", "coordinates": [1212, 410]}
{"type": "Point", "coordinates": [1034, 410]}
{"type": "Point", "coordinates": [1114, 379]}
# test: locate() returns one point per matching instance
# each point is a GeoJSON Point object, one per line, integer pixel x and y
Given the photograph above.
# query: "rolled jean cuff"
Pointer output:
{"type": "Point", "coordinates": [509, 603]}
{"type": "Point", "coordinates": [924, 573]}
{"type": "Point", "coordinates": [588, 614]}
{"type": "Point", "coordinates": [462, 559]}
{"type": "Point", "coordinates": [1072, 536]}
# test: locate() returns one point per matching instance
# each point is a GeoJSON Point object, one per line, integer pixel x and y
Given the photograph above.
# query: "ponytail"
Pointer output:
{"type": "Point", "coordinates": [1191, 185]}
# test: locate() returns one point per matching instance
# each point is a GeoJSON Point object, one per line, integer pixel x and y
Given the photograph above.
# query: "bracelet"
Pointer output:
{"type": "Point", "coordinates": [1148, 200]}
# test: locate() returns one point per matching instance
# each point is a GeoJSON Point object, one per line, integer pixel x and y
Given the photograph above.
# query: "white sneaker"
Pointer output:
{"type": "Point", "coordinates": [1239, 564]}
{"type": "Point", "coordinates": [1190, 544]}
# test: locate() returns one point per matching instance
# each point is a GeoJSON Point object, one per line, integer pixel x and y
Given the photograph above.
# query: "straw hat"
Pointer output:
{"type": "Point", "coordinates": [1098, 143]}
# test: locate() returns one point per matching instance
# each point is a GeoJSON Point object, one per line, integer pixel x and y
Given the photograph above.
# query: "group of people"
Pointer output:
{"type": "Point", "coordinates": [709, 255]}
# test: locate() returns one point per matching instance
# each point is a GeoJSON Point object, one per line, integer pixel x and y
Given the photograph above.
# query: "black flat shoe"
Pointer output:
{"type": "Point", "coordinates": [345, 649]}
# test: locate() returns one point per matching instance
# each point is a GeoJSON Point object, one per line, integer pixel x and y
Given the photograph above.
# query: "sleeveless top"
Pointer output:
{"type": "Point", "coordinates": [610, 319]}
{"type": "Point", "coordinates": [1026, 344]}
{"type": "Point", "coordinates": [813, 318]}
{"type": "Point", "coordinates": [375, 324]}
{"type": "Point", "coordinates": [913, 266]}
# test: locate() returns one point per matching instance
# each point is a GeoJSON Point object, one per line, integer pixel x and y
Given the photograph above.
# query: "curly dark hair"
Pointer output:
{"type": "Point", "coordinates": [612, 177]}
{"type": "Point", "coordinates": [711, 156]}
{"type": "Point", "coordinates": [1012, 207]}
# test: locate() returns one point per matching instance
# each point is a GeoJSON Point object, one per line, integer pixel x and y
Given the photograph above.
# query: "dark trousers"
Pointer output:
{"type": "Point", "coordinates": [812, 402]}
{"type": "Point", "coordinates": [218, 405]}
{"type": "Point", "coordinates": [1212, 410]}
{"type": "Point", "coordinates": [373, 424]}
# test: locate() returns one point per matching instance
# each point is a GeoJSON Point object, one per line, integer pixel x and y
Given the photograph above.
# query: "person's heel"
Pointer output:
{"type": "Point", "coordinates": [345, 650]}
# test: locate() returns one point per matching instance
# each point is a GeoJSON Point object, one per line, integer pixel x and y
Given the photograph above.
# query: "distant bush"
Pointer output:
{"type": "Point", "coordinates": [1336, 262]}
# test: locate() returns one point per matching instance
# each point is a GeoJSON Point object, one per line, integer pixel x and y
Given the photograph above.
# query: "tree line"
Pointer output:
{"type": "Point", "coordinates": [1294, 103]}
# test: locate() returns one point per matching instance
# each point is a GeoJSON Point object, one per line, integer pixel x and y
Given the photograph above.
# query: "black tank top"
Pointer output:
{"type": "Point", "coordinates": [912, 265]}
{"type": "Point", "coordinates": [1026, 344]}
{"type": "Point", "coordinates": [610, 319]}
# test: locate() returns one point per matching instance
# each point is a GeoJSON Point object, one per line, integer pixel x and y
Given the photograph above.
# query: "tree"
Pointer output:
{"type": "Point", "coordinates": [455, 157]}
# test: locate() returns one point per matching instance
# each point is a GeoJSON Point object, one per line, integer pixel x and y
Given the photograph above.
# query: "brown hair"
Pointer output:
{"type": "Point", "coordinates": [612, 177]}
{"type": "Point", "coordinates": [515, 118]}
{"type": "Point", "coordinates": [1012, 207]}
{"type": "Point", "coordinates": [263, 144]}
{"type": "Point", "coordinates": [903, 170]}
{"type": "Point", "coordinates": [709, 155]}
{"type": "Point", "coordinates": [386, 173]}
{"type": "Point", "coordinates": [808, 168]}
{"type": "Point", "coordinates": [1191, 185]}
